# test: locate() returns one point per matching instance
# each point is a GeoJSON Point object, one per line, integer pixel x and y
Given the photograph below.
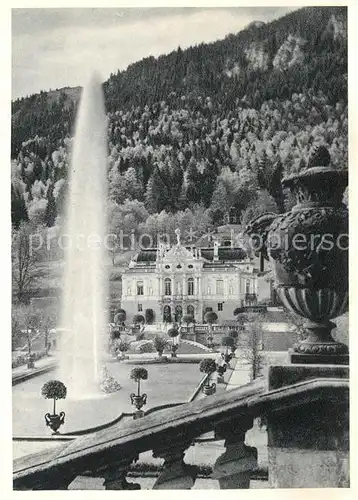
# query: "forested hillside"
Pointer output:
{"type": "Point", "coordinates": [198, 132]}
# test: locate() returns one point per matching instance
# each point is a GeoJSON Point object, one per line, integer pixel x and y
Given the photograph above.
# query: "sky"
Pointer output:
{"type": "Point", "coordinates": [54, 48]}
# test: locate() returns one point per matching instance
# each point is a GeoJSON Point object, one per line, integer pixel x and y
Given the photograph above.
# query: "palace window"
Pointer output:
{"type": "Point", "coordinates": [167, 286]}
{"type": "Point", "coordinates": [247, 286]}
{"type": "Point", "coordinates": [140, 307]}
{"type": "Point", "coordinates": [191, 286]}
{"type": "Point", "coordinates": [140, 288]}
{"type": "Point", "coordinates": [209, 290]}
{"type": "Point", "coordinates": [190, 310]}
{"type": "Point", "coordinates": [129, 291]}
{"type": "Point", "coordinates": [219, 287]}
{"type": "Point", "coordinates": [220, 306]}
{"type": "Point", "coordinates": [231, 290]}
{"type": "Point", "coordinates": [150, 291]}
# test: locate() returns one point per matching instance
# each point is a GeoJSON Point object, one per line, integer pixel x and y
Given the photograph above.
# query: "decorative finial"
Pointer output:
{"type": "Point", "coordinates": [177, 232]}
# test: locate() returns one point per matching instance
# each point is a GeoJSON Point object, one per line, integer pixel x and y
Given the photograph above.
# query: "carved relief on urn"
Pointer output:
{"type": "Point", "coordinates": [308, 251]}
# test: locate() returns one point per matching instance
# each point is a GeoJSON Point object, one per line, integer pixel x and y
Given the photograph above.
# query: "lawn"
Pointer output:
{"type": "Point", "coordinates": [172, 383]}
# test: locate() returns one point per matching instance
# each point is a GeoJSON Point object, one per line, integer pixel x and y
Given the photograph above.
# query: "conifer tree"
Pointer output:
{"type": "Point", "coordinates": [51, 208]}
{"type": "Point", "coordinates": [18, 208]}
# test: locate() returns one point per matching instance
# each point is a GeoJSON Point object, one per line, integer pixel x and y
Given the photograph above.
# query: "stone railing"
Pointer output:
{"type": "Point", "coordinates": [168, 433]}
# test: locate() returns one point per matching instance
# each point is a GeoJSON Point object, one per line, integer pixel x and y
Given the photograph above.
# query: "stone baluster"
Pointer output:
{"type": "Point", "coordinates": [115, 476]}
{"type": "Point", "coordinates": [176, 474]}
{"type": "Point", "coordinates": [234, 467]}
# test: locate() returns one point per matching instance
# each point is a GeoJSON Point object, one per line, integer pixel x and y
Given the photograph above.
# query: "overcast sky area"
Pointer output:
{"type": "Point", "coordinates": [54, 48]}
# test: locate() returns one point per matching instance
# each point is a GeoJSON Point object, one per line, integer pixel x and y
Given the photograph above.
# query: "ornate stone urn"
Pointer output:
{"type": "Point", "coordinates": [138, 400]}
{"type": "Point", "coordinates": [208, 366]}
{"type": "Point", "coordinates": [55, 421]}
{"type": "Point", "coordinates": [220, 370]}
{"type": "Point", "coordinates": [308, 251]}
{"type": "Point", "coordinates": [227, 357]}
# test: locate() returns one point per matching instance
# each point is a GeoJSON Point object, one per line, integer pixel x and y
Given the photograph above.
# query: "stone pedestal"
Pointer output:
{"type": "Point", "coordinates": [308, 444]}
{"type": "Point", "coordinates": [331, 359]}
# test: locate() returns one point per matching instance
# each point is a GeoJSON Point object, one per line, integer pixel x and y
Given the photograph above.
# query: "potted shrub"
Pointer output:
{"type": "Point", "coordinates": [120, 317]}
{"type": "Point", "coordinates": [121, 349]}
{"type": "Point", "coordinates": [220, 370]}
{"type": "Point", "coordinates": [54, 389]}
{"type": "Point", "coordinates": [210, 318]}
{"type": "Point", "coordinates": [228, 344]}
{"type": "Point", "coordinates": [160, 344]}
{"type": "Point", "coordinates": [173, 333]}
{"type": "Point", "coordinates": [138, 400]}
{"type": "Point", "coordinates": [208, 366]}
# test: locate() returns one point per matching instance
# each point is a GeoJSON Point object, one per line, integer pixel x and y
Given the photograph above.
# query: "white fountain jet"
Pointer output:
{"type": "Point", "coordinates": [85, 282]}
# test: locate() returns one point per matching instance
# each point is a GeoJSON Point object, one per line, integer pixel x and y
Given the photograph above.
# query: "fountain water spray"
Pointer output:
{"type": "Point", "coordinates": [85, 282]}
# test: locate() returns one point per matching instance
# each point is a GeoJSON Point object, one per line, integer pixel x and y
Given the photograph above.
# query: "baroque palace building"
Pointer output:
{"type": "Point", "coordinates": [170, 282]}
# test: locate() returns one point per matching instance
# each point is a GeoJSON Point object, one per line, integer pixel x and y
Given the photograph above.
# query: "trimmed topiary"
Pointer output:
{"type": "Point", "coordinates": [54, 389]}
{"type": "Point", "coordinates": [138, 319]}
{"type": "Point", "coordinates": [208, 366]}
{"type": "Point", "coordinates": [227, 341]}
{"type": "Point", "coordinates": [120, 317]}
{"type": "Point", "coordinates": [188, 318]}
{"type": "Point", "coordinates": [173, 332]}
{"type": "Point", "coordinates": [210, 317]}
{"type": "Point", "coordinates": [139, 373]}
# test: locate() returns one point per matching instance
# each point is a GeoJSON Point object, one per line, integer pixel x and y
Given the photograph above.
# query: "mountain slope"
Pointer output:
{"type": "Point", "coordinates": [217, 125]}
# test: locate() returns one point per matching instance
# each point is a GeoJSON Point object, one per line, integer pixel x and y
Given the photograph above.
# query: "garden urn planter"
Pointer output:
{"type": "Point", "coordinates": [138, 401]}
{"type": "Point", "coordinates": [227, 357]}
{"type": "Point", "coordinates": [55, 421]}
{"type": "Point", "coordinates": [220, 370]}
{"type": "Point", "coordinates": [209, 389]}
{"type": "Point", "coordinates": [308, 252]}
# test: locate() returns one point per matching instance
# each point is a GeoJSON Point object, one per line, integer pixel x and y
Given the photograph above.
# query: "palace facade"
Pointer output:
{"type": "Point", "coordinates": [170, 282]}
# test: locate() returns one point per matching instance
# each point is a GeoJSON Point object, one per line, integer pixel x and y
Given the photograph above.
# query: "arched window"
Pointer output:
{"type": "Point", "coordinates": [167, 286]}
{"type": "Point", "coordinates": [191, 286]}
{"type": "Point", "coordinates": [190, 310]}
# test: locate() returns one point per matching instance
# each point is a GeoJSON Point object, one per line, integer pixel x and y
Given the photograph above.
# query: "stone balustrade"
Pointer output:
{"type": "Point", "coordinates": [109, 453]}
